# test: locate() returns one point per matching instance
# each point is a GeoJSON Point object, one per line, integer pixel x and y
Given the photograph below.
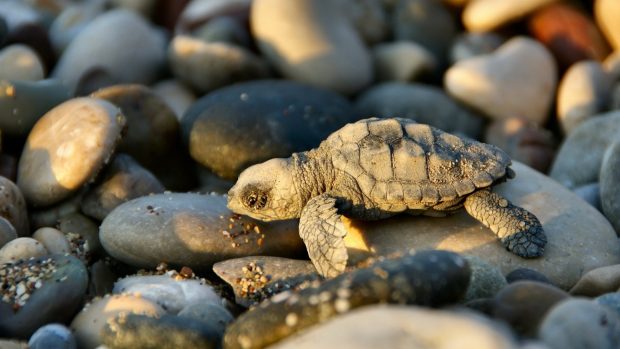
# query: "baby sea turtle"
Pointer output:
{"type": "Point", "coordinates": [376, 168]}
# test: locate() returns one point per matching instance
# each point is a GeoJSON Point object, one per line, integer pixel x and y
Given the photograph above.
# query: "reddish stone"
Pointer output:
{"type": "Point", "coordinates": [569, 33]}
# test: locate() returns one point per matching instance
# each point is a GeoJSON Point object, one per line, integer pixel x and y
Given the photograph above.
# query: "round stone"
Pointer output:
{"type": "Point", "coordinates": [312, 41]}
{"type": "Point", "coordinates": [526, 274]}
{"type": "Point", "coordinates": [583, 92]}
{"type": "Point", "coordinates": [398, 326]}
{"type": "Point", "coordinates": [499, 84]}
{"type": "Point", "coordinates": [82, 233]}
{"type": "Point", "coordinates": [66, 148]}
{"type": "Point", "coordinates": [22, 103]}
{"type": "Point", "coordinates": [564, 217]}
{"type": "Point", "coordinates": [370, 18]}
{"type": "Point", "coordinates": [20, 62]}
{"type": "Point", "coordinates": [426, 22]}
{"type": "Point", "coordinates": [523, 304]}
{"type": "Point", "coordinates": [52, 336]}
{"type": "Point", "coordinates": [568, 33]}
{"type": "Point", "coordinates": [170, 293]}
{"type": "Point", "coordinates": [401, 61]}
{"type": "Point", "coordinates": [256, 278]}
{"type": "Point", "coordinates": [468, 45]}
{"type": "Point", "coordinates": [53, 240]}
{"type": "Point", "coordinates": [598, 281]}
{"type": "Point", "coordinates": [610, 300]}
{"type": "Point", "coordinates": [118, 41]}
{"type": "Point", "coordinates": [206, 66]}
{"type": "Point", "coordinates": [21, 249]}
{"type": "Point", "coordinates": [579, 159]}
{"type": "Point", "coordinates": [590, 193]}
{"type": "Point", "coordinates": [191, 230]}
{"type": "Point", "coordinates": [247, 123]}
{"type": "Point", "coordinates": [487, 15]}
{"type": "Point", "coordinates": [216, 316]}
{"type": "Point", "coordinates": [610, 184]}
{"type": "Point", "coordinates": [71, 21]}
{"type": "Point", "coordinates": [580, 323]}
{"type": "Point", "coordinates": [422, 103]}
{"type": "Point", "coordinates": [51, 289]}
{"type": "Point", "coordinates": [486, 280]}
{"type": "Point", "coordinates": [7, 232]}
{"type": "Point", "coordinates": [606, 13]}
{"type": "Point", "coordinates": [89, 323]}
{"type": "Point", "coordinates": [124, 179]}
{"type": "Point", "coordinates": [226, 29]}
{"type": "Point", "coordinates": [165, 331]}
{"type": "Point", "coordinates": [13, 206]}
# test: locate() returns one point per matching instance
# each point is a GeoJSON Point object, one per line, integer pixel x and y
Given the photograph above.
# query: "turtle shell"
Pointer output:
{"type": "Point", "coordinates": [399, 160]}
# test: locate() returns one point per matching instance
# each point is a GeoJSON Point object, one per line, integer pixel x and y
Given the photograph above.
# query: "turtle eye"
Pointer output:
{"type": "Point", "coordinates": [256, 200]}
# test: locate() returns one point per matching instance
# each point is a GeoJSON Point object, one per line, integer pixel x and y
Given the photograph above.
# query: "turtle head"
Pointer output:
{"type": "Point", "coordinates": [266, 191]}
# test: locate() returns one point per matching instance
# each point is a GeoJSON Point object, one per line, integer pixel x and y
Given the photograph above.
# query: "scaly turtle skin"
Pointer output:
{"type": "Point", "coordinates": [376, 168]}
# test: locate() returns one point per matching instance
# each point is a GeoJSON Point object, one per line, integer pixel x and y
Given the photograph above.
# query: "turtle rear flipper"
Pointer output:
{"type": "Point", "coordinates": [323, 233]}
{"type": "Point", "coordinates": [518, 229]}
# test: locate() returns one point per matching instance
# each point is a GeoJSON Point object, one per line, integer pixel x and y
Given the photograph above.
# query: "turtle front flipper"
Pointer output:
{"type": "Point", "coordinates": [518, 229]}
{"type": "Point", "coordinates": [323, 233]}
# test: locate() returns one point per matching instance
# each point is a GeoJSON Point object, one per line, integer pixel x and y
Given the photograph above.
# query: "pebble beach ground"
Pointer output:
{"type": "Point", "coordinates": [124, 123]}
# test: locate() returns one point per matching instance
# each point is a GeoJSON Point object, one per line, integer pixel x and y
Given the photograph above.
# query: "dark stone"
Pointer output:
{"type": "Point", "coordinates": [140, 331]}
{"type": "Point", "coordinates": [522, 274]}
{"type": "Point", "coordinates": [247, 123]}
{"type": "Point", "coordinates": [524, 304]}
{"type": "Point", "coordinates": [429, 278]}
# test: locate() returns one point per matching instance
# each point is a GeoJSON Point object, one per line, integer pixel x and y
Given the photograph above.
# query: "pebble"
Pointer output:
{"type": "Point", "coordinates": [166, 331]}
{"type": "Point", "coordinates": [606, 13]}
{"type": "Point", "coordinates": [523, 305]}
{"type": "Point", "coordinates": [524, 141]}
{"type": "Point", "coordinates": [426, 22]}
{"type": "Point", "coordinates": [216, 316]}
{"type": "Point", "coordinates": [488, 15]}
{"type": "Point", "coordinates": [20, 62]}
{"type": "Point", "coordinates": [224, 29]}
{"type": "Point", "coordinates": [88, 325]}
{"type": "Point", "coordinates": [580, 324]}
{"type": "Point", "coordinates": [247, 123]}
{"type": "Point", "coordinates": [66, 148]}
{"type": "Point", "coordinates": [206, 66]}
{"type": "Point", "coordinates": [122, 180]}
{"type": "Point", "coordinates": [18, 113]}
{"type": "Point", "coordinates": [583, 92]}
{"type": "Point", "coordinates": [486, 280]}
{"type": "Point", "coordinates": [370, 19]}
{"type": "Point", "coordinates": [126, 47]}
{"type": "Point", "coordinates": [54, 289]}
{"type": "Point", "coordinates": [21, 248]}
{"type": "Point", "coordinates": [568, 33]}
{"type": "Point", "coordinates": [53, 240]}
{"type": "Point", "coordinates": [610, 184]}
{"type": "Point", "coordinates": [610, 300]}
{"type": "Point", "coordinates": [83, 234]}
{"type": "Point", "coordinates": [7, 232]}
{"type": "Point", "coordinates": [580, 156]}
{"type": "Point", "coordinates": [176, 95]}
{"type": "Point", "coordinates": [256, 278]}
{"type": "Point", "coordinates": [590, 193]}
{"type": "Point", "coordinates": [579, 237]}
{"type": "Point", "coordinates": [429, 278]}
{"type": "Point", "coordinates": [526, 274]}
{"type": "Point", "coordinates": [72, 21]}
{"type": "Point", "coordinates": [468, 45]}
{"type": "Point", "coordinates": [17, 13]}
{"type": "Point", "coordinates": [423, 103]}
{"type": "Point", "coordinates": [598, 281]}
{"type": "Point", "coordinates": [401, 61]}
{"type": "Point", "coordinates": [199, 12]}
{"type": "Point", "coordinates": [152, 133]}
{"type": "Point", "coordinates": [311, 41]}
{"type": "Point", "coordinates": [52, 336]}
{"type": "Point", "coordinates": [498, 84]}
{"type": "Point", "coordinates": [191, 230]}
{"type": "Point", "coordinates": [13, 206]}
{"type": "Point", "coordinates": [172, 292]}
{"type": "Point", "coordinates": [398, 326]}
{"type": "Point", "coordinates": [49, 216]}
